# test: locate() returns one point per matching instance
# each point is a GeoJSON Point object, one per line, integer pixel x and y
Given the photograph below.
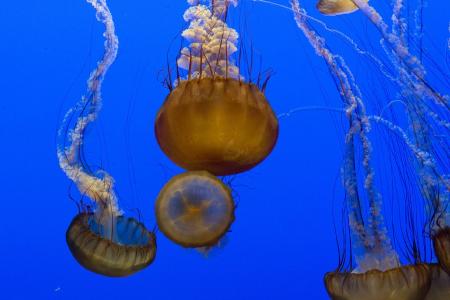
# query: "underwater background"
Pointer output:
{"type": "Point", "coordinates": [283, 240]}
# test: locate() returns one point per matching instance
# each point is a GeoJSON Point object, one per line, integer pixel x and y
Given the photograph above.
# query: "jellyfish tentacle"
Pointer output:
{"type": "Point", "coordinates": [413, 92]}
{"type": "Point", "coordinates": [212, 42]}
{"type": "Point", "coordinates": [416, 91]}
{"type": "Point", "coordinates": [402, 52]}
{"type": "Point", "coordinates": [371, 236]}
{"type": "Point", "coordinates": [220, 7]}
{"type": "Point", "coordinates": [99, 187]}
{"type": "Point", "coordinates": [398, 24]}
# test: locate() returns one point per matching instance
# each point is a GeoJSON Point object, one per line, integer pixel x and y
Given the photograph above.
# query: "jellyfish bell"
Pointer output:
{"type": "Point", "coordinates": [212, 119]}
{"type": "Point", "coordinates": [195, 209]}
{"type": "Point", "coordinates": [220, 125]}
{"type": "Point", "coordinates": [404, 283]}
{"type": "Point", "coordinates": [336, 7]}
{"type": "Point", "coordinates": [120, 251]}
{"type": "Point", "coordinates": [440, 284]}
{"type": "Point", "coordinates": [441, 241]}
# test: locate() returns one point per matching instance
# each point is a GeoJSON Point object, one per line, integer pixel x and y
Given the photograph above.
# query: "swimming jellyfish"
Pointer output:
{"type": "Point", "coordinates": [104, 240]}
{"type": "Point", "coordinates": [195, 209]}
{"type": "Point", "coordinates": [377, 272]}
{"type": "Point", "coordinates": [212, 123]}
{"type": "Point", "coordinates": [428, 114]}
{"type": "Point", "coordinates": [212, 119]}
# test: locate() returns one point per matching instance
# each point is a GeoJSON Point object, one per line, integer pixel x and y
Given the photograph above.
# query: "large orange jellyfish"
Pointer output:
{"type": "Point", "coordinates": [211, 123]}
{"type": "Point", "coordinates": [103, 241]}
{"type": "Point", "coordinates": [212, 119]}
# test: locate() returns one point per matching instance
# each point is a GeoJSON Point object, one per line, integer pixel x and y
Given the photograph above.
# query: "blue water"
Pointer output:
{"type": "Point", "coordinates": [283, 239]}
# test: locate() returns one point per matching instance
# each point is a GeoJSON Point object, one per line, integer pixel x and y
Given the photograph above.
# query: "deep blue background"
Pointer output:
{"type": "Point", "coordinates": [282, 241]}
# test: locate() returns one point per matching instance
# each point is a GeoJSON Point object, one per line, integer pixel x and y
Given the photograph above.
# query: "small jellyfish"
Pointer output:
{"type": "Point", "coordinates": [195, 209]}
{"type": "Point", "coordinates": [336, 7]}
{"type": "Point", "coordinates": [212, 120]}
{"type": "Point", "coordinates": [101, 240]}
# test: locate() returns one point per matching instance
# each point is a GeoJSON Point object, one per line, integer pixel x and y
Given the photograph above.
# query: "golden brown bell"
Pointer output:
{"type": "Point", "coordinates": [336, 7]}
{"type": "Point", "coordinates": [220, 125]}
{"type": "Point", "coordinates": [132, 249]}
{"type": "Point", "coordinates": [195, 209]}
{"type": "Point", "coordinates": [404, 283]}
{"type": "Point", "coordinates": [440, 284]}
{"type": "Point", "coordinates": [441, 241]}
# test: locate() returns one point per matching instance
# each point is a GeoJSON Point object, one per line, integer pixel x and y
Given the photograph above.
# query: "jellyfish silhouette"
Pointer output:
{"type": "Point", "coordinates": [195, 209]}
{"type": "Point", "coordinates": [212, 119]}
{"type": "Point", "coordinates": [103, 241]}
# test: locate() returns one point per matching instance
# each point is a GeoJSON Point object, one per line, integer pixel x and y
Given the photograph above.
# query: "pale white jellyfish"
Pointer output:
{"type": "Point", "coordinates": [212, 119]}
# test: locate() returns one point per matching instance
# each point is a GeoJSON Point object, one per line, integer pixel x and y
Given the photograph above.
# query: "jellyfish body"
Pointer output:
{"type": "Point", "coordinates": [212, 120]}
{"type": "Point", "coordinates": [195, 209]}
{"type": "Point", "coordinates": [441, 241]}
{"type": "Point", "coordinates": [220, 125]}
{"type": "Point", "coordinates": [405, 283]}
{"type": "Point", "coordinates": [336, 7]}
{"type": "Point", "coordinates": [102, 240]}
{"type": "Point", "coordinates": [126, 249]}
{"type": "Point", "coordinates": [440, 284]}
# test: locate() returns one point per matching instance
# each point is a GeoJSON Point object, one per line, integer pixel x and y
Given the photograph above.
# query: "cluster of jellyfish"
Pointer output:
{"type": "Point", "coordinates": [215, 123]}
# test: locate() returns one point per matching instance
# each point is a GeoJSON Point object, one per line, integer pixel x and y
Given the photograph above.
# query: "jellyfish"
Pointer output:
{"type": "Point", "coordinates": [377, 272]}
{"type": "Point", "coordinates": [212, 119]}
{"type": "Point", "coordinates": [428, 113]}
{"type": "Point", "coordinates": [102, 239]}
{"type": "Point", "coordinates": [195, 209]}
{"type": "Point", "coordinates": [336, 7]}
